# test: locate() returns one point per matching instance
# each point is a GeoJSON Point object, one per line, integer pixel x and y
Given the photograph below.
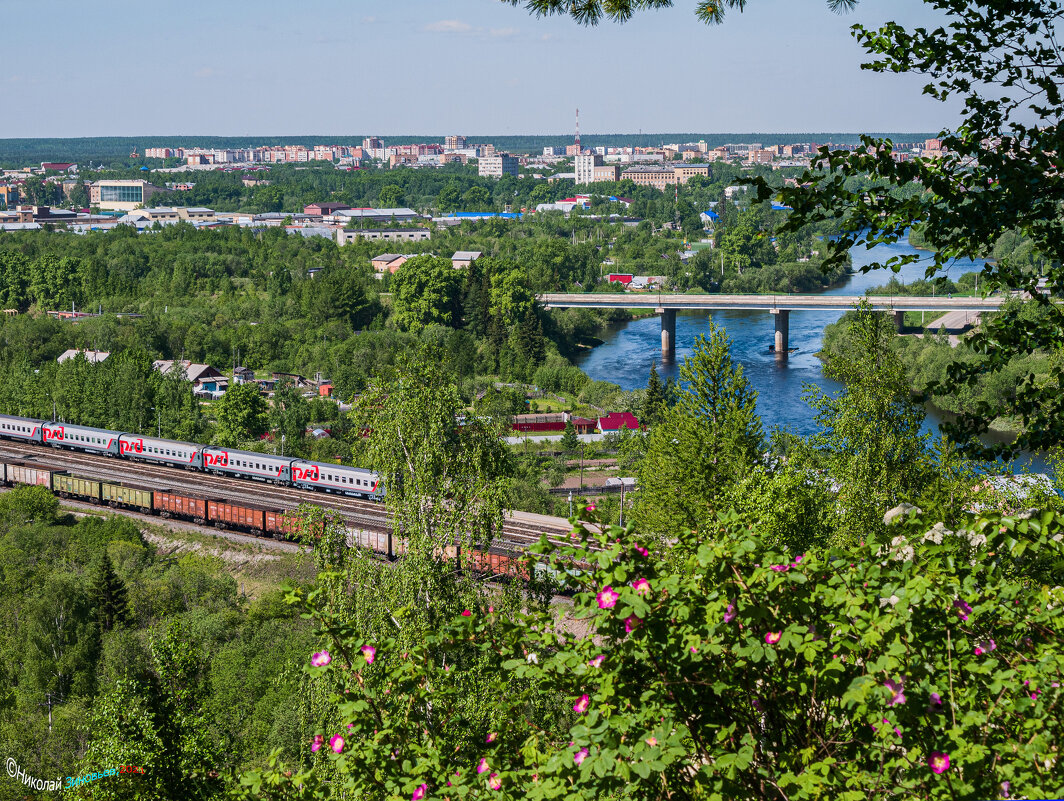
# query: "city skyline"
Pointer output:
{"type": "Point", "coordinates": [460, 66]}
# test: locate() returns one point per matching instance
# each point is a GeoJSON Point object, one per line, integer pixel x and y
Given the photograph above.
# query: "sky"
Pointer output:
{"type": "Point", "coordinates": [354, 67]}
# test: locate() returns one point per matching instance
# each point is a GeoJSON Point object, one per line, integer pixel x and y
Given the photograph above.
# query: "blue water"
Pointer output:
{"type": "Point", "coordinates": [630, 348]}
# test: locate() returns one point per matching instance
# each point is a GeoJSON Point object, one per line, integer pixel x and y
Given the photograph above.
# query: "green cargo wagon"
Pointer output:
{"type": "Point", "coordinates": [116, 494]}
{"type": "Point", "coordinates": [67, 486]}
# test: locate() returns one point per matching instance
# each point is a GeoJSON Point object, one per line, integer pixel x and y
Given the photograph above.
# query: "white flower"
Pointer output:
{"type": "Point", "coordinates": [532, 659]}
{"type": "Point", "coordinates": [892, 600]}
{"type": "Point", "coordinates": [936, 533]}
{"type": "Point", "coordinates": [901, 550]}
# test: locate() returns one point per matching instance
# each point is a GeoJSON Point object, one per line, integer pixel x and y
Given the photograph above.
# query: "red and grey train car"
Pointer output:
{"type": "Point", "coordinates": [286, 471]}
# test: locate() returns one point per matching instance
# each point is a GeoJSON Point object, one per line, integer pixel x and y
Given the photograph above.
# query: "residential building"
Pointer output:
{"type": "Point", "coordinates": [454, 143]}
{"type": "Point", "coordinates": [59, 166]}
{"type": "Point", "coordinates": [345, 236]}
{"type": "Point", "coordinates": [497, 166]}
{"type": "Point", "coordinates": [617, 421]}
{"type": "Point", "coordinates": [585, 168]}
{"type": "Point", "coordinates": [554, 151]}
{"type": "Point", "coordinates": [121, 195]}
{"type": "Point", "coordinates": [93, 356]}
{"type": "Point", "coordinates": [463, 258]}
{"type": "Point", "coordinates": [196, 373]}
{"type": "Point", "coordinates": [388, 261]}
{"type": "Point", "coordinates": [665, 175]}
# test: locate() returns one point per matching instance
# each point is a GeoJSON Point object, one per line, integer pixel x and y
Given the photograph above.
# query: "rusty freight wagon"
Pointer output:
{"type": "Point", "coordinates": [34, 475]}
{"type": "Point", "coordinates": [66, 485]}
{"type": "Point", "coordinates": [240, 516]}
{"type": "Point", "coordinates": [177, 504]}
{"type": "Point", "coordinates": [284, 524]}
{"type": "Point", "coordinates": [114, 494]}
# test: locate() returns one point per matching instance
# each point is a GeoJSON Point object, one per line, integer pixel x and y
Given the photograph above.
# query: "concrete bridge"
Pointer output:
{"type": "Point", "coordinates": [780, 306]}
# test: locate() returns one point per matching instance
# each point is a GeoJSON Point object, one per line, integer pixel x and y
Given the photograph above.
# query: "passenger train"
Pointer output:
{"type": "Point", "coordinates": [283, 470]}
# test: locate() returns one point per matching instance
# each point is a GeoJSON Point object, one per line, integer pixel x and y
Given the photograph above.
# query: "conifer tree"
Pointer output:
{"type": "Point", "coordinates": [654, 402]}
{"type": "Point", "coordinates": [570, 442]}
{"type": "Point", "coordinates": [109, 594]}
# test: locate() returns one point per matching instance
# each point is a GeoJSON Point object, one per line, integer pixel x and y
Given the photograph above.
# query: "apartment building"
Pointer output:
{"type": "Point", "coordinates": [454, 143]}
{"type": "Point", "coordinates": [590, 169]}
{"type": "Point", "coordinates": [497, 166]}
{"type": "Point", "coordinates": [345, 236]}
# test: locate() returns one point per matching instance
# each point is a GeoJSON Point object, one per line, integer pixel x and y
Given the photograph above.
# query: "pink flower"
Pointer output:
{"type": "Point", "coordinates": [320, 659]}
{"type": "Point", "coordinates": [491, 738]}
{"type": "Point", "coordinates": [336, 743]}
{"type": "Point", "coordinates": [985, 647]}
{"type": "Point", "coordinates": [631, 623]}
{"type": "Point", "coordinates": [582, 703]}
{"type": "Point", "coordinates": [936, 702]}
{"type": "Point", "coordinates": [466, 613]}
{"type": "Point", "coordinates": [798, 559]}
{"type": "Point", "coordinates": [421, 791]}
{"type": "Point", "coordinates": [607, 598]}
{"type": "Point", "coordinates": [729, 613]}
{"type": "Point", "coordinates": [780, 568]}
{"type": "Point", "coordinates": [898, 696]}
{"type": "Point", "coordinates": [580, 756]}
{"type": "Point", "coordinates": [591, 507]}
{"type": "Point", "coordinates": [773, 637]}
{"type": "Point", "coordinates": [694, 650]}
{"type": "Point", "coordinates": [317, 742]}
{"type": "Point", "coordinates": [494, 782]}
{"type": "Point", "coordinates": [938, 762]}
{"type": "Point", "coordinates": [597, 661]}
{"type": "Point", "coordinates": [641, 586]}
{"type": "Point", "coordinates": [639, 549]}
{"type": "Point", "coordinates": [482, 766]}
{"type": "Point", "coordinates": [370, 653]}
{"type": "Point", "coordinates": [963, 609]}
{"type": "Point", "coordinates": [652, 741]}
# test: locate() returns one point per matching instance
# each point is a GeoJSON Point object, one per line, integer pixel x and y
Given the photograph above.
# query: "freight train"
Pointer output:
{"type": "Point", "coordinates": [283, 470]}
{"type": "Point", "coordinates": [261, 521]}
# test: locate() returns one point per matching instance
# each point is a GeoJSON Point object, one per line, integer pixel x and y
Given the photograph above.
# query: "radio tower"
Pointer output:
{"type": "Point", "coordinates": [578, 129]}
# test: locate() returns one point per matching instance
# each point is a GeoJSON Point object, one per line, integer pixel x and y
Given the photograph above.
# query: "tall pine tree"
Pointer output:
{"type": "Point", "coordinates": [654, 402]}
{"type": "Point", "coordinates": [109, 594]}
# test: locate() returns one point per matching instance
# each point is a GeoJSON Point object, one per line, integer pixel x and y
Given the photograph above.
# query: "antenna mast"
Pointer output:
{"type": "Point", "coordinates": [578, 129]}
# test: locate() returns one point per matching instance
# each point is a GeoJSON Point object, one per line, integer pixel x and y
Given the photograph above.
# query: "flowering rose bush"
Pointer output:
{"type": "Point", "coordinates": [917, 668]}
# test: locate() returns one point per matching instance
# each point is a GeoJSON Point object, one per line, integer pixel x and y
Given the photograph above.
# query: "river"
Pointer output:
{"type": "Point", "coordinates": [630, 348]}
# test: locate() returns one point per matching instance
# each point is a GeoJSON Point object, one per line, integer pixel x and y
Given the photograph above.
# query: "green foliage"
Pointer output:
{"type": "Point", "coordinates": [25, 504]}
{"type": "Point", "coordinates": [242, 414]}
{"type": "Point", "coordinates": [425, 291]}
{"type": "Point", "coordinates": [707, 441]}
{"type": "Point", "coordinates": [870, 443]}
{"type": "Point", "coordinates": [995, 181]}
{"type": "Point", "coordinates": [570, 441]}
{"type": "Point", "coordinates": [726, 669]}
{"type": "Point", "coordinates": [108, 593]}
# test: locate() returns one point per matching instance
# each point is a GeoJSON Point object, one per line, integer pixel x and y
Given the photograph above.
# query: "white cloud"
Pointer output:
{"type": "Point", "coordinates": [449, 26]}
{"type": "Point", "coordinates": [500, 33]}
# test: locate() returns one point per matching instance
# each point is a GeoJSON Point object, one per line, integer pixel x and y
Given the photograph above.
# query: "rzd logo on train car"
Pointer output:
{"type": "Point", "coordinates": [132, 446]}
{"type": "Point", "coordinates": [212, 459]}
{"type": "Point", "coordinates": [57, 432]}
{"type": "Point", "coordinates": [305, 473]}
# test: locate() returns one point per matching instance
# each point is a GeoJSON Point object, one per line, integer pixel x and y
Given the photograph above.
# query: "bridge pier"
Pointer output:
{"type": "Point", "coordinates": [782, 318]}
{"type": "Point", "coordinates": [668, 334]}
{"type": "Point", "coordinates": [899, 321]}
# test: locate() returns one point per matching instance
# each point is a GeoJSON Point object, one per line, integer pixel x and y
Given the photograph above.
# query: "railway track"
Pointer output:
{"type": "Point", "coordinates": [519, 530]}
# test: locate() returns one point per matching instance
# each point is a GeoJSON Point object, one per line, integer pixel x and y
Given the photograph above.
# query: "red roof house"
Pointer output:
{"type": "Point", "coordinates": [618, 420]}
